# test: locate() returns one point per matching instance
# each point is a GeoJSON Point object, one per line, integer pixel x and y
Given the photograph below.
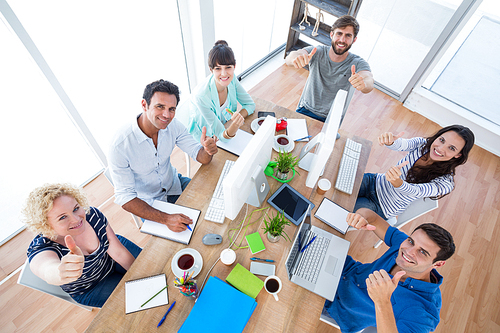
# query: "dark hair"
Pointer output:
{"type": "Point", "coordinates": [346, 21]}
{"type": "Point", "coordinates": [221, 54]}
{"type": "Point", "coordinates": [161, 86]}
{"type": "Point", "coordinates": [419, 175]}
{"type": "Point", "coordinates": [441, 237]}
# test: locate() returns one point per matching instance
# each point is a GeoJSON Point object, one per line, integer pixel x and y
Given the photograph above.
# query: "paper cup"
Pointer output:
{"type": "Point", "coordinates": [323, 186]}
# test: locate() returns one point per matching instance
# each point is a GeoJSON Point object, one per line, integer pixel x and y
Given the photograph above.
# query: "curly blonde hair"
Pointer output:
{"type": "Point", "coordinates": [41, 200]}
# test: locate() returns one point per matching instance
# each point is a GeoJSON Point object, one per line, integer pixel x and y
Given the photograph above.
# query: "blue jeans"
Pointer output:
{"type": "Point", "coordinates": [184, 183]}
{"type": "Point", "coordinates": [304, 111]}
{"type": "Point", "coordinates": [98, 295]}
{"type": "Point", "coordinates": [367, 196]}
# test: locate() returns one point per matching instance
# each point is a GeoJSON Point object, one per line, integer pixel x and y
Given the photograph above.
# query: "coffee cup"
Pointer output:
{"type": "Point", "coordinates": [323, 186]}
{"type": "Point", "coordinates": [272, 284]}
{"type": "Point", "coordinates": [185, 262]}
{"type": "Point", "coordinates": [227, 257]}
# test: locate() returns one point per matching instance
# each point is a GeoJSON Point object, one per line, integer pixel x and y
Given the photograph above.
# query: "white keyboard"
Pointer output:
{"type": "Point", "coordinates": [215, 211]}
{"type": "Point", "coordinates": [348, 166]}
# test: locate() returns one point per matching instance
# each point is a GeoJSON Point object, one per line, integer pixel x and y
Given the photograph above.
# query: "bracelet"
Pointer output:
{"type": "Point", "coordinates": [227, 136]}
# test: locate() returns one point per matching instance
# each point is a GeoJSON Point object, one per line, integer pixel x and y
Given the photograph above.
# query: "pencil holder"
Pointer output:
{"type": "Point", "coordinates": [187, 286]}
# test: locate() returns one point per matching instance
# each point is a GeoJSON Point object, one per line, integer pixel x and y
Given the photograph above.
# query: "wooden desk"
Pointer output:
{"type": "Point", "coordinates": [297, 310]}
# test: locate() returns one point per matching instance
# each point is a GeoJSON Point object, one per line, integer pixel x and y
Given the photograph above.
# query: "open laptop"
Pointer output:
{"type": "Point", "coordinates": [319, 266]}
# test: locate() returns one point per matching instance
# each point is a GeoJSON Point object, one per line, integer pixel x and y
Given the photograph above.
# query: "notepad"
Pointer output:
{"type": "Point", "coordinates": [245, 281]}
{"type": "Point", "coordinates": [161, 230]}
{"type": "Point", "coordinates": [139, 291]}
{"type": "Point", "coordinates": [237, 144]}
{"type": "Point", "coordinates": [255, 243]}
{"type": "Point", "coordinates": [297, 129]}
{"type": "Point", "coordinates": [333, 215]}
{"type": "Point", "coordinates": [220, 308]}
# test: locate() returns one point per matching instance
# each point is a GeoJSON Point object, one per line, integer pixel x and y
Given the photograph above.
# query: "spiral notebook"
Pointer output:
{"type": "Point", "coordinates": [139, 291]}
{"type": "Point", "coordinates": [161, 230]}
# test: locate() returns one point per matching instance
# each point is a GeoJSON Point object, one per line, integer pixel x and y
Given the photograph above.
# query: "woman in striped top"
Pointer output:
{"type": "Point", "coordinates": [75, 247]}
{"type": "Point", "coordinates": [425, 172]}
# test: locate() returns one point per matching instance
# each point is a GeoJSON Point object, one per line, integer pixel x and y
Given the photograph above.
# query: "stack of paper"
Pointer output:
{"type": "Point", "coordinates": [220, 308]}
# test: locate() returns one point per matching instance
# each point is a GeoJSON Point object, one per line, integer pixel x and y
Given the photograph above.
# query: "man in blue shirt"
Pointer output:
{"type": "Point", "coordinates": [399, 292]}
{"type": "Point", "coordinates": [139, 158]}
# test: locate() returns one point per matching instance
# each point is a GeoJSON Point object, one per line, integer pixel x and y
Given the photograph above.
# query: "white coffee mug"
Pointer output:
{"type": "Point", "coordinates": [272, 284]}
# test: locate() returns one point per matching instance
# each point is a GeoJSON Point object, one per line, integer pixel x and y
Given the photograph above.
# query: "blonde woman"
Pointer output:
{"type": "Point", "coordinates": [75, 247]}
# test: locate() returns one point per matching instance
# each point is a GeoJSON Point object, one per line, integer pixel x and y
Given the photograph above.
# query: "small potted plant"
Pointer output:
{"type": "Point", "coordinates": [274, 227]}
{"type": "Point", "coordinates": [285, 162]}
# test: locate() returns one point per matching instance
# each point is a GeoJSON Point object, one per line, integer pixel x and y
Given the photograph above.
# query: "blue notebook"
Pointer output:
{"type": "Point", "coordinates": [220, 308]}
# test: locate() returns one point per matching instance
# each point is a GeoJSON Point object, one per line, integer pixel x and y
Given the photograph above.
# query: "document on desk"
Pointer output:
{"type": "Point", "coordinates": [333, 215]}
{"type": "Point", "coordinates": [237, 144]}
{"type": "Point", "coordinates": [297, 129]}
{"type": "Point", "coordinates": [161, 230]}
{"type": "Point", "coordinates": [138, 292]}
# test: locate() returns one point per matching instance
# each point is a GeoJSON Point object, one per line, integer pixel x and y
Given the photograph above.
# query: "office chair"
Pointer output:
{"type": "Point", "coordinates": [326, 318]}
{"type": "Point", "coordinates": [416, 209]}
{"type": "Point", "coordinates": [137, 220]}
{"type": "Point", "coordinates": [29, 279]}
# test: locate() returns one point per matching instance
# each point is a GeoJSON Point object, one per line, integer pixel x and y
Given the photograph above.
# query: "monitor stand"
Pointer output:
{"type": "Point", "coordinates": [306, 157]}
{"type": "Point", "coordinates": [261, 188]}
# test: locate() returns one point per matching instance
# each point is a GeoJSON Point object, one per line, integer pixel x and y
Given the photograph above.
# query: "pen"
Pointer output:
{"type": "Point", "coordinates": [266, 260]}
{"type": "Point", "coordinates": [306, 137]}
{"type": "Point", "coordinates": [189, 228]}
{"type": "Point", "coordinates": [231, 112]}
{"type": "Point", "coordinates": [165, 316]}
{"type": "Point", "coordinates": [305, 247]}
{"type": "Point", "coordinates": [154, 295]}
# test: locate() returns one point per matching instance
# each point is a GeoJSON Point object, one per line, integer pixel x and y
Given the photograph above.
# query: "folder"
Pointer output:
{"type": "Point", "coordinates": [220, 308]}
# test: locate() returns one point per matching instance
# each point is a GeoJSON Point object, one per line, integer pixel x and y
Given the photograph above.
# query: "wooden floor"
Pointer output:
{"type": "Point", "coordinates": [471, 288]}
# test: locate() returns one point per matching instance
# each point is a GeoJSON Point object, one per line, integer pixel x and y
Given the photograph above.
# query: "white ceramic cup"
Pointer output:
{"type": "Point", "coordinates": [227, 257]}
{"type": "Point", "coordinates": [272, 286]}
{"type": "Point", "coordinates": [323, 186]}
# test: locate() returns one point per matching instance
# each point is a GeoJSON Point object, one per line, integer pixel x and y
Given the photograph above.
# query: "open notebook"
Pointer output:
{"type": "Point", "coordinates": [137, 292]}
{"type": "Point", "coordinates": [237, 144]}
{"type": "Point", "coordinates": [161, 230]}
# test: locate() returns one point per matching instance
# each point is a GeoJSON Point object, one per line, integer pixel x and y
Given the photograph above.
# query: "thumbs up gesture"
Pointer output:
{"type": "Point", "coordinates": [388, 138]}
{"type": "Point", "coordinates": [356, 80]}
{"type": "Point", "coordinates": [208, 143]}
{"type": "Point", "coordinates": [303, 59]}
{"type": "Point", "coordinates": [393, 175]}
{"type": "Point", "coordinates": [71, 266]}
{"type": "Point", "coordinates": [380, 286]}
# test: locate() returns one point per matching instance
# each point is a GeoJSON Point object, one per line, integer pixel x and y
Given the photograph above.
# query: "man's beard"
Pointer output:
{"type": "Point", "coordinates": [337, 52]}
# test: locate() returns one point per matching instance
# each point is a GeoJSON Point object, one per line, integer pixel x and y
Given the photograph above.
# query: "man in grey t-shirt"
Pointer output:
{"type": "Point", "coordinates": [330, 69]}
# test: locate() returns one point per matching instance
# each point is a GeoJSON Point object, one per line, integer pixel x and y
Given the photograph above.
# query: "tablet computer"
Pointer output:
{"type": "Point", "coordinates": [291, 202]}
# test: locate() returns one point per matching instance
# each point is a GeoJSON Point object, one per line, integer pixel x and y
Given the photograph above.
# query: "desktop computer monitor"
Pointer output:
{"type": "Point", "coordinates": [246, 181]}
{"type": "Point", "coordinates": [323, 142]}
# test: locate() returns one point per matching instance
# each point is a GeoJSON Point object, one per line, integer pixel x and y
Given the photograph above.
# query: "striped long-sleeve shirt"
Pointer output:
{"type": "Point", "coordinates": [395, 200]}
{"type": "Point", "coordinates": [97, 264]}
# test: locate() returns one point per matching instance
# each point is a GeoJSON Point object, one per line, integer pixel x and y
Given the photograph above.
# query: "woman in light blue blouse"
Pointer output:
{"type": "Point", "coordinates": [215, 100]}
{"type": "Point", "coordinates": [425, 172]}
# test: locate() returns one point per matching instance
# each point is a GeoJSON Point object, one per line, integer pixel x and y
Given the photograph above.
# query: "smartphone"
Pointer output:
{"type": "Point", "coordinates": [265, 114]}
{"type": "Point", "coordinates": [259, 268]}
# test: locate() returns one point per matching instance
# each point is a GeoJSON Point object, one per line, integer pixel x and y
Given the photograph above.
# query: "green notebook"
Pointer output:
{"type": "Point", "coordinates": [255, 243]}
{"type": "Point", "coordinates": [244, 281]}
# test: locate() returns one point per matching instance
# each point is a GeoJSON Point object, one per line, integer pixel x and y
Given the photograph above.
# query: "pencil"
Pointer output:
{"type": "Point", "coordinates": [154, 295]}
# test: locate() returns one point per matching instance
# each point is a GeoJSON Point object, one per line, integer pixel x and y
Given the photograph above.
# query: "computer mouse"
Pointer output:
{"type": "Point", "coordinates": [212, 239]}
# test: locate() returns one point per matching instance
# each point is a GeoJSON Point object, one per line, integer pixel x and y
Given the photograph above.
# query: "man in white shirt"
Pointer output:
{"type": "Point", "coordinates": [139, 158]}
